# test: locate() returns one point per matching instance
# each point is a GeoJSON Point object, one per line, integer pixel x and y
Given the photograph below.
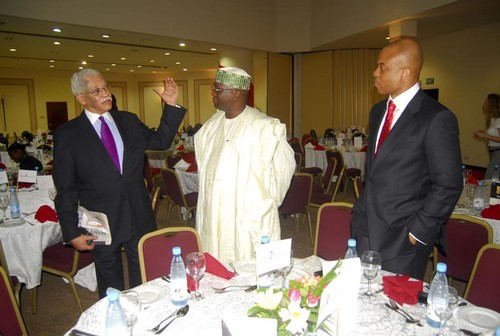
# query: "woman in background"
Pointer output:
{"type": "Point", "coordinates": [491, 108]}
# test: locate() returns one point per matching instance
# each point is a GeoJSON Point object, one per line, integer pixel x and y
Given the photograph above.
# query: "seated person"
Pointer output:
{"type": "Point", "coordinates": [3, 140]}
{"type": "Point", "coordinates": [17, 153]}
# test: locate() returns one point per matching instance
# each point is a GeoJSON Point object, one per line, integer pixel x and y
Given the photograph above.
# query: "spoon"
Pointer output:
{"type": "Point", "coordinates": [408, 317]}
{"type": "Point", "coordinates": [180, 313]}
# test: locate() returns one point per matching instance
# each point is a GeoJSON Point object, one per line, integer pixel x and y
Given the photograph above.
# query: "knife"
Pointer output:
{"type": "Point", "coordinates": [76, 332]}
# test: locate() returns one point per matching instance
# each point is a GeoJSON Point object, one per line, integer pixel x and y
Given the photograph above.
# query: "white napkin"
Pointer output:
{"type": "Point", "coordinates": [182, 165]}
{"type": "Point", "coordinates": [309, 145]}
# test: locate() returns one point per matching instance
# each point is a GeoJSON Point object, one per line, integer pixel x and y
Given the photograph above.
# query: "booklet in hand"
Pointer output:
{"type": "Point", "coordinates": [96, 224]}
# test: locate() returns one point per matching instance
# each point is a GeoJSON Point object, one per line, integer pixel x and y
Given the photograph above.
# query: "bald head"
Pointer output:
{"type": "Point", "coordinates": [410, 54]}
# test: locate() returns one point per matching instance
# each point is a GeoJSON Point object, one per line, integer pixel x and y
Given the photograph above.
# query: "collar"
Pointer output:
{"type": "Point", "coordinates": [94, 116]}
{"type": "Point", "coordinates": [404, 99]}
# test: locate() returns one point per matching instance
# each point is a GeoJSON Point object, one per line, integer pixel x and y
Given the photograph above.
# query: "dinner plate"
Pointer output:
{"type": "Point", "coordinates": [150, 294]}
{"type": "Point", "coordinates": [482, 318]}
{"type": "Point", "coordinates": [13, 222]}
{"type": "Point", "coordinates": [245, 267]}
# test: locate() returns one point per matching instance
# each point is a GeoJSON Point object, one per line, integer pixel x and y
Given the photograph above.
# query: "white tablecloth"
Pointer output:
{"type": "Point", "coordinates": [317, 158]}
{"type": "Point", "coordinates": [204, 317]}
{"type": "Point", "coordinates": [188, 180]}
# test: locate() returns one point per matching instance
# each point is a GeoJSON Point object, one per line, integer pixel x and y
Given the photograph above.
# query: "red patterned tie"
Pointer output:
{"type": "Point", "coordinates": [387, 125]}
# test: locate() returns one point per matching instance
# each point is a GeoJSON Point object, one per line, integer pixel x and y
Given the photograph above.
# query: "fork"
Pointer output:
{"type": "Point", "coordinates": [247, 288]}
{"type": "Point", "coordinates": [157, 327]}
{"type": "Point", "coordinates": [394, 306]}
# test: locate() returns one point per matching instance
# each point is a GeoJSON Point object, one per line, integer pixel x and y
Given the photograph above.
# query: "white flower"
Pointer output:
{"type": "Point", "coordinates": [268, 299]}
{"type": "Point", "coordinates": [298, 318]}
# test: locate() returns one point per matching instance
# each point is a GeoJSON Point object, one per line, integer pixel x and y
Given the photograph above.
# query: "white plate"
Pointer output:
{"type": "Point", "coordinates": [479, 317]}
{"type": "Point", "coordinates": [12, 222]}
{"type": "Point", "coordinates": [150, 294]}
{"type": "Point", "coordinates": [245, 267]}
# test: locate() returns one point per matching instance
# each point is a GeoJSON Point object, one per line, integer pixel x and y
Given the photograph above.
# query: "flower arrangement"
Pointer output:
{"type": "Point", "coordinates": [296, 309]}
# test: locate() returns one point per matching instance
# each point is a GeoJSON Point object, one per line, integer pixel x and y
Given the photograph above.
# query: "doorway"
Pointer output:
{"type": "Point", "coordinates": [57, 114]}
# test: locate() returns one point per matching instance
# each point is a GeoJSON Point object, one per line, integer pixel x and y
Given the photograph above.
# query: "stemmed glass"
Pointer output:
{"type": "Point", "coordinates": [371, 263]}
{"type": "Point", "coordinates": [286, 270]}
{"type": "Point", "coordinates": [195, 268]}
{"type": "Point", "coordinates": [131, 305]}
{"type": "Point", "coordinates": [444, 302]}
{"type": "Point", "coordinates": [4, 203]}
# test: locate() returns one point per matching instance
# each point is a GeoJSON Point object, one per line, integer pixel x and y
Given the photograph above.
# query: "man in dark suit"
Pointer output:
{"type": "Point", "coordinates": [86, 174]}
{"type": "Point", "coordinates": [413, 180]}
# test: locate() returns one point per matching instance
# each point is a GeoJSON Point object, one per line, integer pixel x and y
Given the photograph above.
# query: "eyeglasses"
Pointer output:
{"type": "Point", "coordinates": [98, 91]}
{"type": "Point", "coordinates": [219, 90]}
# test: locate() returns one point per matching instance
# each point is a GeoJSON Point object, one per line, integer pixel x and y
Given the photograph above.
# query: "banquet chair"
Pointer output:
{"type": "Point", "coordinates": [12, 322]}
{"type": "Point", "coordinates": [298, 161]}
{"type": "Point", "coordinates": [333, 230]}
{"type": "Point", "coordinates": [327, 191]}
{"type": "Point", "coordinates": [349, 174]}
{"type": "Point", "coordinates": [65, 261]}
{"type": "Point", "coordinates": [177, 197]}
{"type": "Point", "coordinates": [155, 249]}
{"type": "Point", "coordinates": [465, 236]}
{"type": "Point", "coordinates": [155, 200]}
{"type": "Point", "coordinates": [172, 160]}
{"type": "Point", "coordinates": [483, 289]}
{"type": "Point", "coordinates": [297, 199]}
{"type": "Point", "coordinates": [14, 282]}
{"type": "Point", "coordinates": [358, 187]}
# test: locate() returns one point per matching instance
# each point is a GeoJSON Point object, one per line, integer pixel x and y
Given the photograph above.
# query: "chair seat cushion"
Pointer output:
{"type": "Point", "coordinates": [352, 172]}
{"type": "Point", "coordinates": [60, 257]}
{"type": "Point", "coordinates": [312, 170]}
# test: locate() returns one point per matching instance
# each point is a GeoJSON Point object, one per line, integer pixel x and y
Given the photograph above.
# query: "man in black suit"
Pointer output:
{"type": "Point", "coordinates": [413, 180]}
{"type": "Point", "coordinates": [86, 174]}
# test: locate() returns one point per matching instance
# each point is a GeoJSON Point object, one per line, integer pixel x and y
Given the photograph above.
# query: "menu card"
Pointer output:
{"type": "Point", "coordinates": [339, 300]}
{"type": "Point", "coordinates": [45, 182]}
{"type": "Point", "coordinates": [27, 176]}
{"type": "Point", "coordinates": [358, 142]}
{"type": "Point", "coordinates": [272, 256]}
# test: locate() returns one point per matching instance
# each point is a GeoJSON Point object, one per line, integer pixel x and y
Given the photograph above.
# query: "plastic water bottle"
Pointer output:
{"type": "Point", "coordinates": [115, 318]}
{"type": "Point", "coordinates": [496, 174]}
{"type": "Point", "coordinates": [178, 280]}
{"type": "Point", "coordinates": [15, 209]}
{"type": "Point", "coordinates": [479, 197]}
{"type": "Point", "coordinates": [351, 249]}
{"type": "Point", "coordinates": [439, 280]}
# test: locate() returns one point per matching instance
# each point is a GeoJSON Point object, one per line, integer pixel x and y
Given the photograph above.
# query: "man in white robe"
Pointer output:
{"type": "Point", "coordinates": [245, 166]}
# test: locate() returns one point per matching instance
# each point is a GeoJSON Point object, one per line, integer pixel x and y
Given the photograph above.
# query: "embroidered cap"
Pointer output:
{"type": "Point", "coordinates": [233, 77]}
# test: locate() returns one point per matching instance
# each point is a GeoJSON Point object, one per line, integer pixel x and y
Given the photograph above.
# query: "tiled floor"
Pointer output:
{"type": "Point", "coordinates": [57, 308]}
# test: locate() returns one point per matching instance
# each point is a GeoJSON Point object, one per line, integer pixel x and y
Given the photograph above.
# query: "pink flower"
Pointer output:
{"type": "Point", "coordinates": [294, 295]}
{"type": "Point", "coordinates": [312, 301]}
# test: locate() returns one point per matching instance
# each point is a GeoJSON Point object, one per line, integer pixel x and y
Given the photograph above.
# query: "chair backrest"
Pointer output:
{"type": "Point", "coordinates": [465, 236]}
{"type": "Point", "coordinates": [298, 195]}
{"type": "Point", "coordinates": [155, 249]}
{"type": "Point", "coordinates": [11, 321]}
{"type": "Point", "coordinates": [172, 160]}
{"type": "Point", "coordinates": [483, 289]}
{"type": "Point", "coordinates": [298, 161]}
{"type": "Point", "coordinates": [333, 230]}
{"type": "Point", "coordinates": [173, 186]}
{"type": "Point", "coordinates": [155, 200]}
{"type": "Point", "coordinates": [328, 174]}
{"type": "Point", "coordinates": [358, 186]}
{"type": "Point", "coordinates": [296, 146]}
{"type": "Point", "coordinates": [313, 134]}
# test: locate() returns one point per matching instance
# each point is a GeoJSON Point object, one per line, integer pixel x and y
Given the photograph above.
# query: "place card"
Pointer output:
{"type": "Point", "coordinates": [272, 256]}
{"type": "Point", "coordinates": [358, 142]}
{"type": "Point", "coordinates": [242, 326]}
{"type": "Point", "coordinates": [27, 176]}
{"type": "Point", "coordinates": [45, 182]}
{"type": "Point", "coordinates": [339, 300]}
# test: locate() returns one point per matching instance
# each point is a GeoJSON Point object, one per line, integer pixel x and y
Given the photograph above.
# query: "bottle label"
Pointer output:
{"type": "Point", "coordinates": [15, 212]}
{"type": "Point", "coordinates": [178, 291]}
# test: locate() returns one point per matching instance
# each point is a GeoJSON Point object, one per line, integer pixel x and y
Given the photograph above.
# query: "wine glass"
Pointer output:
{"type": "Point", "coordinates": [371, 263]}
{"type": "Point", "coordinates": [286, 270]}
{"type": "Point", "coordinates": [52, 194]}
{"type": "Point", "coordinates": [4, 203]}
{"type": "Point", "coordinates": [195, 268]}
{"type": "Point", "coordinates": [131, 305]}
{"type": "Point", "coordinates": [444, 301]}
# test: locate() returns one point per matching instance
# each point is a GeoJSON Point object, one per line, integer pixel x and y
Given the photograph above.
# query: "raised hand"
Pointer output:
{"type": "Point", "coordinates": [170, 91]}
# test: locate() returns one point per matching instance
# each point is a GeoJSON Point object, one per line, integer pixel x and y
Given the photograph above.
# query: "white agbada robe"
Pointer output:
{"type": "Point", "coordinates": [244, 174]}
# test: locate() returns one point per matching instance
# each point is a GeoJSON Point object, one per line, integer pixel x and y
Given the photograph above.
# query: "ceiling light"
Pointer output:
{"type": "Point", "coordinates": [56, 30]}
{"type": "Point", "coordinates": [12, 49]}
{"type": "Point", "coordinates": [51, 66]}
{"type": "Point", "coordinates": [80, 67]}
{"type": "Point", "coordinates": [57, 43]}
{"type": "Point", "coordinates": [52, 61]}
{"type": "Point", "coordinates": [123, 58]}
{"type": "Point", "coordinates": [113, 64]}
{"type": "Point", "coordinates": [387, 37]}
{"type": "Point", "coordinates": [177, 63]}
{"type": "Point", "coordinates": [105, 36]}
{"type": "Point", "coordinates": [213, 49]}
{"type": "Point", "coordinates": [151, 61]}
{"type": "Point", "coordinates": [182, 44]}
{"type": "Point", "coordinates": [107, 69]}
{"type": "Point", "coordinates": [90, 56]}
{"type": "Point", "coordinates": [131, 70]}
{"type": "Point", "coordinates": [139, 66]}
{"type": "Point", "coordinates": [167, 54]}
{"type": "Point", "coordinates": [84, 63]}
{"type": "Point", "coordinates": [185, 69]}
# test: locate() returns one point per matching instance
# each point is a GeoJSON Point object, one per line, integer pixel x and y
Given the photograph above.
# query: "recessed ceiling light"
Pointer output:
{"type": "Point", "coordinates": [90, 56]}
{"type": "Point", "coordinates": [51, 66]}
{"type": "Point", "coordinates": [105, 36]}
{"type": "Point", "coordinates": [84, 63]}
{"type": "Point", "coordinates": [153, 71]}
{"type": "Point", "coordinates": [80, 67]}
{"type": "Point", "coordinates": [123, 58]}
{"type": "Point", "coordinates": [139, 66]}
{"type": "Point", "coordinates": [113, 64]}
{"type": "Point", "coordinates": [56, 30]}
{"type": "Point", "coordinates": [213, 49]}
{"type": "Point", "coordinates": [107, 69]}
{"type": "Point", "coordinates": [151, 61]}
{"type": "Point", "coordinates": [131, 70]}
{"type": "Point", "coordinates": [52, 61]}
{"type": "Point", "coordinates": [182, 44]}
{"type": "Point", "coordinates": [167, 54]}
{"type": "Point", "coordinates": [387, 37]}
{"type": "Point", "coordinates": [57, 43]}
{"type": "Point", "coordinates": [177, 63]}
{"type": "Point", "coordinates": [12, 49]}
{"type": "Point", "coordinates": [185, 69]}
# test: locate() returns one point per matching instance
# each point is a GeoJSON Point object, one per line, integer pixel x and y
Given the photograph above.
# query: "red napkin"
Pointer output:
{"type": "Point", "coordinates": [189, 157]}
{"type": "Point", "coordinates": [192, 168]}
{"type": "Point", "coordinates": [319, 147]}
{"type": "Point", "coordinates": [216, 268]}
{"type": "Point", "coordinates": [364, 149]}
{"type": "Point", "coordinates": [472, 180]}
{"type": "Point", "coordinates": [493, 212]}
{"type": "Point", "coordinates": [401, 290]}
{"type": "Point", "coordinates": [46, 213]}
{"type": "Point", "coordinates": [181, 147]}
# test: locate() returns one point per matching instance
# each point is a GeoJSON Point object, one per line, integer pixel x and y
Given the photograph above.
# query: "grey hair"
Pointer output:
{"type": "Point", "coordinates": [78, 82]}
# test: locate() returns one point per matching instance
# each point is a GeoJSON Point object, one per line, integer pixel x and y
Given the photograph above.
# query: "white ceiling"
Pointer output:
{"type": "Point", "coordinates": [145, 54]}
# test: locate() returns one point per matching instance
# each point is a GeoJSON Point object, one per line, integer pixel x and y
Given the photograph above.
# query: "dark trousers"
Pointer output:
{"type": "Point", "coordinates": [109, 268]}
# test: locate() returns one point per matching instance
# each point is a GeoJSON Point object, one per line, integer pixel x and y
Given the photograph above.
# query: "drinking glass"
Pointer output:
{"type": "Point", "coordinates": [131, 305]}
{"type": "Point", "coordinates": [4, 203]}
{"type": "Point", "coordinates": [470, 191]}
{"type": "Point", "coordinates": [371, 263]}
{"type": "Point", "coordinates": [52, 194]}
{"type": "Point", "coordinates": [444, 302]}
{"type": "Point", "coordinates": [195, 268]}
{"type": "Point", "coordinates": [286, 270]}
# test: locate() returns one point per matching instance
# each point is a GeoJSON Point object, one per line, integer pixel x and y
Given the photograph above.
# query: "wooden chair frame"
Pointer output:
{"type": "Point", "coordinates": [13, 301]}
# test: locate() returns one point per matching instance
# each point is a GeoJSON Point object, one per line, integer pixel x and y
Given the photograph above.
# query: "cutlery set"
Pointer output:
{"type": "Point", "coordinates": [395, 307]}
{"type": "Point", "coordinates": [178, 313]}
{"type": "Point", "coordinates": [246, 288]}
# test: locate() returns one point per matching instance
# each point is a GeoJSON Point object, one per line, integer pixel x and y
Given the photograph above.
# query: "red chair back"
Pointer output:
{"type": "Point", "coordinates": [332, 230]}
{"type": "Point", "coordinates": [172, 160]}
{"type": "Point", "coordinates": [61, 257]}
{"type": "Point", "coordinates": [11, 321]}
{"type": "Point", "coordinates": [298, 195]}
{"type": "Point", "coordinates": [465, 236]}
{"type": "Point", "coordinates": [483, 289]}
{"type": "Point", "coordinates": [155, 249]}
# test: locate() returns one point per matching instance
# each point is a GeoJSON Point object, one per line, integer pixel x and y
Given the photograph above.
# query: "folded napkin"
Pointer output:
{"type": "Point", "coordinates": [181, 147]}
{"type": "Point", "coordinates": [46, 213]}
{"type": "Point", "coordinates": [189, 157]}
{"type": "Point", "coordinates": [319, 147]}
{"type": "Point", "coordinates": [192, 168]}
{"type": "Point", "coordinates": [181, 164]}
{"type": "Point", "coordinates": [215, 267]}
{"type": "Point", "coordinates": [493, 212]}
{"type": "Point", "coordinates": [401, 289]}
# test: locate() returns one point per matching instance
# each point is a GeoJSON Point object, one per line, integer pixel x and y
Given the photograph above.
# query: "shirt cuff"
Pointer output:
{"type": "Point", "coordinates": [421, 242]}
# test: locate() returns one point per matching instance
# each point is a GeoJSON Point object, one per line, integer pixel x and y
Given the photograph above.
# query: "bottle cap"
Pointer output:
{"type": "Point", "coordinates": [441, 267]}
{"type": "Point", "coordinates": [480, 183]}
{"type": "Point", "coordinates": [112, 295]}
{"type": "Point", "coordinates": [351, 243]}
{"type": "Point", "coordinates": [176, 250]}
{"type": "Point", "coordinates": [264, 239]}
{"type": "Point", "coordinates": [12, 189]}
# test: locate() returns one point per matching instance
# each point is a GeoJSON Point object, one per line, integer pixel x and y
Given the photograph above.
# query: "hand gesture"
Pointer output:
{"type": "Point", "coordinates": [170, 92]}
